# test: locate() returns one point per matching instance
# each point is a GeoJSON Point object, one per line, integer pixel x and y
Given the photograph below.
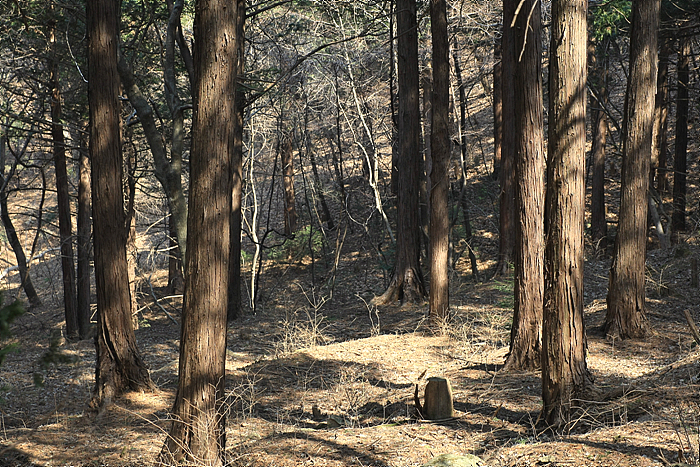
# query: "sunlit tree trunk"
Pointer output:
{"type": "Point", "coordinates": [497, 107]}
{"type": "Point", "coordinates": [440, 152]}
{"type": "Point", "coordinates": [84, 243]}
{"type": "Point", "coordinates": [198, 432]}
{"type": "Point", "coordinates": [290, 210]}
{"type": "Point", "coordinates": [564, 371]}
{"type": "Point", "coordinates": [598, 66]}
{"type": "Point", "coordinates": [660, 141]}
{"type": "Point", "coordinates": [525, 343]}
{"type": "Point", "coordinates": [119, 364]}
{"type": "Point", "coordinates": [626, 315]}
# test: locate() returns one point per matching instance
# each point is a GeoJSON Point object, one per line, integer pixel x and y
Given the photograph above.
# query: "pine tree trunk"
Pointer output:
{"type": "Point", "coordinates": [440, 151]}
{"type": "Point", "coordinates": [626, 316]}
{"type": "Point", "coordinates": [660, 141]}
{"type": "Point", "coordinates": [680, 159]}
{"type": "Point", "coordinates": [599, 130]}
{"type": "Point", "coordinates": [497, 107]}
{"type": "Point", "coordinates": [564, 371]}
{"type": "Point", "coordinates": [290, 211]}
{"type": "Point", "coordinates": [506, 214]}
{"type": "Point", "coordinates": [407, 280]}
{"type": "Point", "coordinates": [525, 343]}
{"type": "Point", "coordinates": [83, 250]}
{"type": "Point", "coordinates": [198, 434]}
{"type": "Point", "coordinates": [63, 198]}
{"type": "Point", "coordinates": [235, 301]}
{"type": "Point", "coordinates": [119, 365]}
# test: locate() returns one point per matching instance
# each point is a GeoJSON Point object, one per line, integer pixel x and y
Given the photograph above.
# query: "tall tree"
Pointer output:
{"type": "Point", "coordinates": [234, 281]}
{"type": "Point", "coordinates": [598, 66]}
{"type": "Point", "coordinates": [660, 141]}
{"type": "Point", "coordinates": [680, 158]}
{"type": "Point", "coordinates": [83, 240]}
{"type": "Point", "coordinates": [564, 370]}
{"type": "Point", "coordinates": [62, 194]}
{"type": "Point", "coordinates": [119, 364]}
{"type": "Point", "coordinates": [497, 106]}
{"type": "Point", "coordinates": [407, 280]}
{"type": "Point", "coordinates": [506, 172]}
{"type": "Point", "coordinates": [198, 434]}
{"type": "Point", "coordinates": [440, 152]}
{"type": "Point", "coordinates": [526, 339]}
{"type": "Point", "coordinates": [626, 316]}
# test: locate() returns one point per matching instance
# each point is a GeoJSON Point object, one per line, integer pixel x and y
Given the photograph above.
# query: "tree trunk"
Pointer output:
{"type": "Point", "coordinates": [62, 196]}
{"type": "Point", "coordinates": [506, 214]}
{"type": "Point", "coordinates": [525, 343]}
{"type": "Point", "coordinates": [119, 365]}
{"type": "Point", "coordinates": [497, 107]}
{"type": "Point", "coordinates": [599, 130]}
{"type": "Point", "coordinates": [234, 285]}
{"type": "Point", "coordinates": [84, 228]}
{"type": "Point", "coordinates": [660, 141]}
{"type": "Point", "coordinates": [198, 435]}
{"type": "Point", "coordinates": [176, 281]}
{"type": "Point", "coordinates": [290, 211]}
{"type": "Point", "coordinates": [626, 317]}
{"type": "Point", "coordinates": [440, 152]}
{"type": "Point", "coordinates": [680, 158]}
{"type": "Point", "coordinates": [407, 280]}
{"type": "Point", "coordinates": [564, 371]}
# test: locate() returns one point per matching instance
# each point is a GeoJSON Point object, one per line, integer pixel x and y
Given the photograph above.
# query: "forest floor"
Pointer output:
{"type": "Point", "coordinates": [318, 381]}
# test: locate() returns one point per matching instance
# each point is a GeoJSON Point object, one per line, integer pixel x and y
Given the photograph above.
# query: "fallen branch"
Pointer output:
{"type": "Point", "coordinates": [6, 272]}
{"type": "Point", "coordinates": [153, 294]}
{"type": "Point", "coordinates": [693, 327]}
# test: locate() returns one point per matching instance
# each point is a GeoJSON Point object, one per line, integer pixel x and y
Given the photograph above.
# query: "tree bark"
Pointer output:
{"type": "Point", "coordinates": [506, 214]}
{"type": "Point", "coordinates": [119, 364]}
{"type": "Point", "coordinates": [598, 66]}
{"type": "Point", "coordinates": [62, 196]}
{"type": "Point", "coordinates": [497, 107]}
{"type": "Point", "coordinates": [83, 247]}
{"type": "Point", "coordinates": [235, 300]}
{"type": "Point", "coordinates": [680, 158]}
{"type": "Point", "coordinates": [198, 434]}
{"type": "Point", "coordinates": [525, 343]}
{"type": "Point", "coordinates": [660, 141]}
{"type": "Point", "coordinates": [626, 316]}
{"type": "Point", "coordinates": [564, 371]}
{"type": "Point", "coordinates": [407, 280]}
{"type": "Point", "coordinates": [440, 152]}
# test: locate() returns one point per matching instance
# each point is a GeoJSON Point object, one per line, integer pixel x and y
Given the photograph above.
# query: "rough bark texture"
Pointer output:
{"type": "Point", "coordinates": [63, 198]}
{"type": "Point", "coordinates": [506, 215]}
{"type": "Point", "coordinates": [526, 341]}
{"type": "Point", "coordinates": [234, 281]}
{"type": "Point", "coordinates": [660, 141]}
{"type": "Point", "coordinates": [197, 435]}
{"type": "Point", "coordinates": [497, 108]}
{"type": "Point", "coordinates": [440, 151]}
{"type": "Point", "coordinates": [83, 244]}
{"type": "Point", "coordinates": [598, 65]}
{"type": "Point", "coordinates": [680, 159]}
{"type": "Point", "coordinates": [564, 371]}
{"type": "Point", "coordinates": [407, 281]}
{"type": "Point", "coordinates": [438, 403]}
{"type": "Point", "coordinates": [119, 365]}
{"type": "Point", "coordinates": [626, 317]}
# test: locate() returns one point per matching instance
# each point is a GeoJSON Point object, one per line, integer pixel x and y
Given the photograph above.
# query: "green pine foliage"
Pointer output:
{"type": "Point", "coordinates": [610, 18]}
{"type": "Point", "coordinates": [8, 313]}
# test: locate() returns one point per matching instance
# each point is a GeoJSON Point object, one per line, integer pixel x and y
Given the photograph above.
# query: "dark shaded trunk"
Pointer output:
{"type": "Point", "coordinates": [119, 364]}
{"type": "Point", "coordinates": [83, 243]}
{"type": "Point", "coordinates": [598, 66]}
{"type": "Point", "coordinates": [506, 214]}
{"type": "Point", "coordinates": [565, 375]}
{"type": "Point", "coordinates": [497, 107]}
{"type": "Point", "coordinates": [440, 152]}
{"type": "Point", "coordinates": [626, 314]}
{"type": "Point", "coordinates": [235, 301]}
{"type": "Point", "coordinates": [525, 343]}
{"type": "Point", "coordinates": [198, 435]}
{"type": "Point", "coordinates": [680, 158]}
{"type": "Point", "coordinates": [407, 280]}
{"type": "Point", "coordinates": [63, 198]}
